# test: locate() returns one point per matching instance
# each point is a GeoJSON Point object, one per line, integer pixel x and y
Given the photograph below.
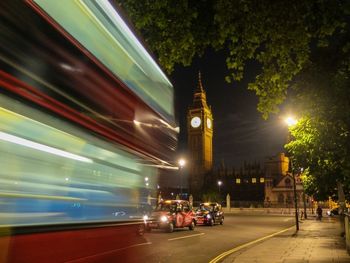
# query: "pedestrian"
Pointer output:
{"type": "Point", "coordinates": [319, 213]}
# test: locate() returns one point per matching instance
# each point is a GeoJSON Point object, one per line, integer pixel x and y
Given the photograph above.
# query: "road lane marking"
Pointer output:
{"type": "Point", "coordinates": [221, 256]}
{"type": "Point", "coordinates": [194, 235]}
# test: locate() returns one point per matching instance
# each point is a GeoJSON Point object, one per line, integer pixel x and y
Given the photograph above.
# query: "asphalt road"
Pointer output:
{"type": "Point", "coordinates": [205, 242]}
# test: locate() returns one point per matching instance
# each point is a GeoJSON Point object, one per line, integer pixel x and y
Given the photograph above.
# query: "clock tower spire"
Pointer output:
{"type": "Point", "coordinates": [200, 137]}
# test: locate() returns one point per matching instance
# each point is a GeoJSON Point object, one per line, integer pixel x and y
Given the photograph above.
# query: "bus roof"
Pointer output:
{"type": "Point", "coordinates": [98, 27]}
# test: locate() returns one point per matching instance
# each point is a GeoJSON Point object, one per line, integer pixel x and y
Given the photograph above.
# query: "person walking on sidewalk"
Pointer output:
{"type": "Point", "coordinates": [319, 213]}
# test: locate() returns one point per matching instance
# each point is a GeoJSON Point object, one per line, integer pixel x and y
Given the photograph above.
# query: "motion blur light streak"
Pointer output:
{"type": "Point", "coordinates": [118, 21]}
{"type": "Point", "coordinates": [37, 196]}
{"type": "Point", "coordinates": [135, 67]}
{"type": "Point", "coordinates": [41, 147]}
{"type": "Point", "coordinates": [73, 161]}
{"type": "Point", "coordinates": [168, 167]}
{"type": "Point", "coordinates": [137, 122]}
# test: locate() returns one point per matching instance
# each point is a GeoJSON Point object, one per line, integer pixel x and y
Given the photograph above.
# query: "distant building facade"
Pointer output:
{"type": "Point", "coordinates": [244, 184]}
{"type": "Point", "coordinates": [279, 183]}
{"type": "Point", "coordinates": [268, 185]}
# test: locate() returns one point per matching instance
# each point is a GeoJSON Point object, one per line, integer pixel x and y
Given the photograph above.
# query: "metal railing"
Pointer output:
{"type": "Point", "coordinates": [259, 204]}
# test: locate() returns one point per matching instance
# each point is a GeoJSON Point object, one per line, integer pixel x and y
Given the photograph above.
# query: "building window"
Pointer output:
{"type": "Point", "coordinates": [238, 180]}
{"type": "Point", "coordinates": [254, 180]}
{"type": "Point", "coordinates": [262, 180]}
{"type": "Point", "coordinates": [280, 198]}
{"type": "Point", "coordinates": [288, 182]}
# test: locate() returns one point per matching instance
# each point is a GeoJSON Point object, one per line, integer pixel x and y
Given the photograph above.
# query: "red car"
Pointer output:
{"type": "Point", "coordinates": [171, 214]}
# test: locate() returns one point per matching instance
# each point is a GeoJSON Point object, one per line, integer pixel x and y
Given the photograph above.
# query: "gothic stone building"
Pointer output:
{"type": "Point", "coordinates": [279, 183]}
{"type": "Point", "coordinates": [244, 184]}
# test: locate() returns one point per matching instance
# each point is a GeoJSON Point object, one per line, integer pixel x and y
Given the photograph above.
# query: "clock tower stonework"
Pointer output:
{"type": "Point", "coordinates": [200, 138]}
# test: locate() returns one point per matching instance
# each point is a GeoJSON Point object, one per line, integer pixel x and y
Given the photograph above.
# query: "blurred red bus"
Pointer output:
{"type": "Point", "coordinates": [86, 122]}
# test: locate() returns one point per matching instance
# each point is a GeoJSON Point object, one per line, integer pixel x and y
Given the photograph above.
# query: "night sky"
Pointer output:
{"type": "Point", "coordinates": [240, 133]}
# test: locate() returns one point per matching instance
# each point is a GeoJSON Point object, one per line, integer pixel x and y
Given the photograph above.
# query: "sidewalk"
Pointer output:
{"type": "Point", "coordinates": [316, 242]}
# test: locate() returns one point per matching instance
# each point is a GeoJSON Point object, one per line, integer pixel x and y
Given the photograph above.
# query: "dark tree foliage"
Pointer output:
{"type": "Point", "coordinates": [303, 48]}
{"type": "Point", "coordinates": [277, 34]}
{"type": "Point", "coordinates": [321, 138]}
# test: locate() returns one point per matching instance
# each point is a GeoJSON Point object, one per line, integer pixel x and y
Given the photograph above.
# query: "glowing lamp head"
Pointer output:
{"type": "Point", "coordinates": [290, 121]}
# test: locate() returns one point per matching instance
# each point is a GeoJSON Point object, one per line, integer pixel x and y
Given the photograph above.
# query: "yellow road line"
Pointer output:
{"type": "Point", "coordinates": [221, 256]}
{"type": "Point", "coordinates": [194, 235]}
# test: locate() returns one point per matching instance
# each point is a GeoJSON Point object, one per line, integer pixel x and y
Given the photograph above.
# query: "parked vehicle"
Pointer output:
{"type": "Point", "coordinates": [333, 212]}
{"type": "Point", "coordinates": [171, 214]}
{"type": "Point", "coordinates": [209, 214]}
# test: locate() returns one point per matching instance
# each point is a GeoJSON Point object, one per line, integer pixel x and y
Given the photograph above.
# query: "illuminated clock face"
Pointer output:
{"type": "Point", "coordinates": [195, 122]}
{"type": "Point", "coordinates": [209, 123]}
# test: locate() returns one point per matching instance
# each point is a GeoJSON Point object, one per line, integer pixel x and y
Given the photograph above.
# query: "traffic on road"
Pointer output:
{"type": "Point", "coordinates": [206, 241]}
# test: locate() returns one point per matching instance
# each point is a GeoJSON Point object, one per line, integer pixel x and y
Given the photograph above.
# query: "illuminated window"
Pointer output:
{"type": "Point", "coordinates": [254, 180]}
{"type": "Point", "coordinates": [238, 180]}
{"type": "Point", "coordinates": [262, 180]}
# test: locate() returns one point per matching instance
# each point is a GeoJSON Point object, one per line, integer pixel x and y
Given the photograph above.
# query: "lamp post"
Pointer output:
{"type": "Point", "coordinates": [295, 196]}
{"type": "Point", "coordinates": [219, 184]}
{"type": "Point", "coordinates": [304, 197]}
{"type": "Point", "coordinates": [182, 163]}
{"type": "Point", "coordinates": [290, 122]}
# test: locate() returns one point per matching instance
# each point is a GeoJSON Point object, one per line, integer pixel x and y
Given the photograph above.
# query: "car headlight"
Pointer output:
{"type": "Point", "coordinates": [164, 218]}
{"type": "Point", "coordinates": [208, 216]}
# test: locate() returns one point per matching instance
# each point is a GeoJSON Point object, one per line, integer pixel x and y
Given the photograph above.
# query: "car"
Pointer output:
{"type": "Point", "coordinates": [333, 212]}
{"type": "Point", "coordinates": [209, 213]}
{"type": "Point", "coordinates": [171, 214]}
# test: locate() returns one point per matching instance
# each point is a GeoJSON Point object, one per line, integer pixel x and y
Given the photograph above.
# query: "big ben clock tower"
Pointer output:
{"type": "Point", "coordinates": [200, 137]}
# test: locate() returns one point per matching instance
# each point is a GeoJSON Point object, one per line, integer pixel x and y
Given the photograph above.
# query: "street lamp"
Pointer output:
{"type": "Point", "coordinates": [182, 163]}
{"type": "Point", "coordinates": [290, 121]}
{"type": "Point", "coordinates": [219, 184]}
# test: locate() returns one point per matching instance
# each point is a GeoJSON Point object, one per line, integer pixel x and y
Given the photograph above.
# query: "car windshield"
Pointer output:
{"type": "Point", "coordinates": [209, 208]}
{"type": "Point", "coordinates": [166, 207]}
